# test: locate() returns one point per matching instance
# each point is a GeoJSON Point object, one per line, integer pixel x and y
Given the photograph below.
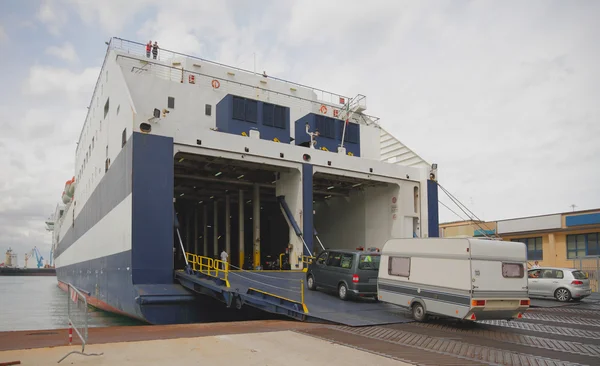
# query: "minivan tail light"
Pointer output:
{"type": "Point", "coordinates": [577, 282]}
{"type": "Point", "coordinates": [355, 278]}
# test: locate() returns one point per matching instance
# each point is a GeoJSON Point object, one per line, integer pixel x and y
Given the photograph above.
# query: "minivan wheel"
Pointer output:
{"type": "Point", "coordinates": [343, 291]}
{"type": "Point", "coordinates": [310, 281]}
{"type": "Point", "coordinates": [418, 312]}
{"type": "Point", "coordinates": [562, 295]}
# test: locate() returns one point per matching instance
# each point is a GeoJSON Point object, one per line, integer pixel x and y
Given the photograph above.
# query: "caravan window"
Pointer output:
{"type": "Point", "coordinates": [399, 266]}
{"type": "Point", "coordinates": [512, 270]}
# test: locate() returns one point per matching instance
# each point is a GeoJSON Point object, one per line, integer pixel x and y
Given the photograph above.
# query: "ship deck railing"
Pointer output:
{"type": "Point", "coordinates": [139, 49]}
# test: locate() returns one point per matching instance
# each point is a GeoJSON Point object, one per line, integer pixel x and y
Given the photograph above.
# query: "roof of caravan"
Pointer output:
{"type": "Point", "coordinates": [457, 247]}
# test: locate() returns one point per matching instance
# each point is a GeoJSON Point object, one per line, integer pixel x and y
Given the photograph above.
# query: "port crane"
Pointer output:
{"type": "Point", "coordinates": [38, 257]}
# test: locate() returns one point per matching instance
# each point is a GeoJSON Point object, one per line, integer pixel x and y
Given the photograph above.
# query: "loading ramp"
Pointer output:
{"type": "Point", "coordinates": [284, 293]}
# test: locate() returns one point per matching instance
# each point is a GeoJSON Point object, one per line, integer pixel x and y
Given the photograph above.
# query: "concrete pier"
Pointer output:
{"type": "Point", "coordinates": [247, 343]}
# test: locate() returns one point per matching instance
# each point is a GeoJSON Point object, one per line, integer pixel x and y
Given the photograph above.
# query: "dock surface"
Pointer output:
{"type": "Point", "coordinates": [555, 334]}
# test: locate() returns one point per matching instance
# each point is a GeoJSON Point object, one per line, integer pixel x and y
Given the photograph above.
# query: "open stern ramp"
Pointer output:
{"type": "Point", "coordinates": [284, 293]}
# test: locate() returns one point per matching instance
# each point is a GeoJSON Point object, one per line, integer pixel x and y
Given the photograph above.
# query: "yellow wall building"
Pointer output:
{"type": "Point", "coordinates": [562, 239]}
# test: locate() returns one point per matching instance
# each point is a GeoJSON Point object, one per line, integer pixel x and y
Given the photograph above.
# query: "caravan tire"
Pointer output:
{"type": "Point", "coordinates": [418, 312]}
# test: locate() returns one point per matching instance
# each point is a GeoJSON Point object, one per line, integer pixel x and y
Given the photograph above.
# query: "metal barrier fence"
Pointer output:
{"type": "Point", "coordinates": [78, 298]}
{"type": "Point", "coordinates": [591, 267]}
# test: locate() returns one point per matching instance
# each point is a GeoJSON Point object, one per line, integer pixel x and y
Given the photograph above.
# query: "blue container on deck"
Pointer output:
{"type": "Point", "coordinates": [330, 133]}
{"type": "Point", "coordinates": [239, 115]}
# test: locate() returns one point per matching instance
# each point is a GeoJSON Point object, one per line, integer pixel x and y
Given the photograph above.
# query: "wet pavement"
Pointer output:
{"type": "Point", "coordinates": [561, 335]}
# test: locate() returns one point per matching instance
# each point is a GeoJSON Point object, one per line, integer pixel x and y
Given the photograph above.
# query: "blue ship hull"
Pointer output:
{"type": "Point", "coordinates": [138, 283]}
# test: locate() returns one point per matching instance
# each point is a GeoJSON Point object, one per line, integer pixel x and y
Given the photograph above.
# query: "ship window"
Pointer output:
{"type": "Point", "coordinates": [238, 108]}
{"type": "Point", "coordinates": [93, 139]}
{"type": "Point", "coordinates": [124, 137]}
{"type": "Point", "coordinates": [251, 110]}
{"type": "Point", "coordinates": [171, 103]}
{"type": "Point", "coordinates": [268, 116]}
{"type": "Point", "coordinates": [351, 133]}
{"type": "Point", "coordinates": [118, 109]}
{"type": "Point", "coordinates": [274, 115]}
{"type": "Point", "coordinates": [325, 126]}
{"type": "Point", "coordinates": [280, 120]}
{"type": "Point", "coordinates": [207, 109]}
{"type": "Point", "coordinates": [106, 107]}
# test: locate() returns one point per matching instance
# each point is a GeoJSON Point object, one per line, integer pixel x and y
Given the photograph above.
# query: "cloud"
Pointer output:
{"type": "Point", "coordinates": [52, 16]}
{"type": "Point", "coordinates": [503, 98]}
{"type": "Point", "coordinates": [66, 52]}
{"type": "Point", "coordinates": [44, 80]}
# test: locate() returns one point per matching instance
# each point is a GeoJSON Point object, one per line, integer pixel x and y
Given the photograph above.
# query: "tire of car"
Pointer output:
{"type": "Point", "coordinates": [343, 291]}
{"type": "Point", "coordinates": [562, 294]}
{"type": "Point", "coordinates": [310, 281]}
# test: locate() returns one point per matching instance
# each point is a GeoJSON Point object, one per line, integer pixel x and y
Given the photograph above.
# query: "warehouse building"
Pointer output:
{"type": "Point", "coordinates": [569, 239]}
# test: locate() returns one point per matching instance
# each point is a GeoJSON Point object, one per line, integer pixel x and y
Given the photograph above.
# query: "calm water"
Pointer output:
{"type": "Point", "coordinates": [33, 303]}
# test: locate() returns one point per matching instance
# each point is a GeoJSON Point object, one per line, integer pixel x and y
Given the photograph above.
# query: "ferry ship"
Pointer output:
{"type": "Point", "coordinates": [181, 154]}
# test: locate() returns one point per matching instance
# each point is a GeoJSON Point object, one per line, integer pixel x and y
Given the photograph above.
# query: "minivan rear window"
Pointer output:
{"type": "Point", "coordinates": [365, 264]}
{"type": "Point", "coordinates": [578, 275]}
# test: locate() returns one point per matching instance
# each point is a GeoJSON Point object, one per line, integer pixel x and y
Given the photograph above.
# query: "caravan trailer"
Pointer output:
{"type": "Point", "coordinates": [466, 278]}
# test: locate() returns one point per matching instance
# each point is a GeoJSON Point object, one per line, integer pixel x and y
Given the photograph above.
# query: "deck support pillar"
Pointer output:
{"type": "Point", "coordinates": [256, 225]}
{"type": "Point", "coordinates": [216, 230]}
{"type": "Point", "coordinates": [205, 233]}
{"type": "Point", "coordinates": [228, 226]}
{"type": "Point", "coordinates": [195, 230]}
{"type": "Point", "coordinates": [241, 228]}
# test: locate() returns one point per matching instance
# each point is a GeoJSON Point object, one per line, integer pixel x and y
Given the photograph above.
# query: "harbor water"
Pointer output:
{"type": "Point", "coordinates": [36, 303]}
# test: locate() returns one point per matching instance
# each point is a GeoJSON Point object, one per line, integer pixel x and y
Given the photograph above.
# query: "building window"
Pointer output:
{"type": "Point", "coordinates": [582, 245]}
{"type": "Point", "coordinates": [534, 248]}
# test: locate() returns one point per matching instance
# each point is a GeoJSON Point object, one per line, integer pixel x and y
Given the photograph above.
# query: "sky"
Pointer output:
{"type": "Point", "coordinates": [502, 95]}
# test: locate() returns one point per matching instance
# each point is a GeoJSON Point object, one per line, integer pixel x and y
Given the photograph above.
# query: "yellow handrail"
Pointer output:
{"type": "Point", "coordinates": [209, 266]}
{"type": "Point", "coordinates": [281, 260]}
{"type": "Point", "coordinates": [307, 259]}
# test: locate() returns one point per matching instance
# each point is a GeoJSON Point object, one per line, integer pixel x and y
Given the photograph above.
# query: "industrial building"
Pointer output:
{"type": "Point", "coordinates": [570, 239]}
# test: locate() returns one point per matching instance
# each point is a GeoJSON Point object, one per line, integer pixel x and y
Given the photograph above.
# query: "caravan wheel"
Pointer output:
{"type": "Point", "coordinates": [418, 312]}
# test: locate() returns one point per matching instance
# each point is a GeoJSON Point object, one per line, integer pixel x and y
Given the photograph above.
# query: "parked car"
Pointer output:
{"type": "Point", "coordinates": [352, 273]}
{"type": "Point", "coordinates": [563, 284]}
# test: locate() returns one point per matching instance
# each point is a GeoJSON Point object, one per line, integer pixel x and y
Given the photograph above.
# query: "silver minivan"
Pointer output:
{"type": "Point", "coordinates": [563, 284]}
